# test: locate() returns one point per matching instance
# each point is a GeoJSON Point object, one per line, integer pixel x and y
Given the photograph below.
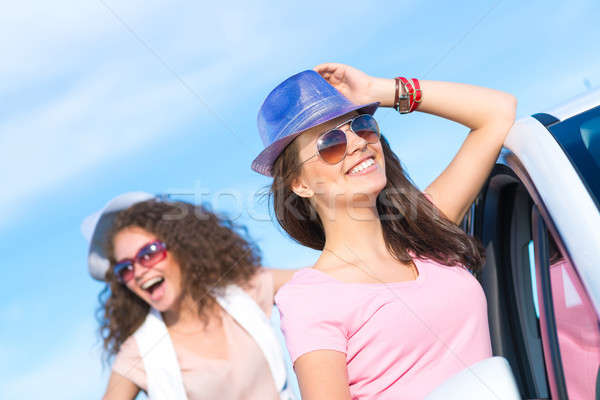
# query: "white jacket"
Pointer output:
{"type": "Point", "coordinates": [160, 361]}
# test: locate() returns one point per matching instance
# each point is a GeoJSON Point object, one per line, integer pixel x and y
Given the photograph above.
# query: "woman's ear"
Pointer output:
{"type": "Point", "coordinates": [300, 187]}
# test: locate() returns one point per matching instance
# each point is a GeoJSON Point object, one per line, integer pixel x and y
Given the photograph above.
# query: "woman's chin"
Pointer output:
{"type": "Point", "coordinates": [162, 300]}
{"type": "Point", "coordinates": [365, 198]}
{"type": "Point", "coordinates": [369, 189]}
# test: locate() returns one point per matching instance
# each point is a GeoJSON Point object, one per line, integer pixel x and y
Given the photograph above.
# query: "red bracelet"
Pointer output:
{"type": "Point", "coordinates": [414, 92]}
{"type": "Point", "coordinates": [408, 93]}
{"type": "Point", "coordinates": [409, 90]}
{"type": "Point", "coordinates": [418, 94]}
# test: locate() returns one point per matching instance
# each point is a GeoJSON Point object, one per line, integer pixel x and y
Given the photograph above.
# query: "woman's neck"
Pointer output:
{"type": "Point", "coordinates": [183, 313]}
{"type": "Point", "coordinates": [355, 233]}
{"type": "Point", "coordinates": [185, 319]}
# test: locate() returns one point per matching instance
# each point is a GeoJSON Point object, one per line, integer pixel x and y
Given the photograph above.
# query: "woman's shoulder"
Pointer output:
{"type": "Point", "coordinates": [311, 296]}
{"type": "Point", "coordinates": [128, 349]}
{"type": "Point", "coordinates": [311, 289]}
{"type": "Point", "coordinates": [260, 288]}
{"type": "Point", "coordinates": [308, 280]}
{"type": "Point", "coordinates": [458, 269]}
{"type": "Point", "coordinates": [129, 364]}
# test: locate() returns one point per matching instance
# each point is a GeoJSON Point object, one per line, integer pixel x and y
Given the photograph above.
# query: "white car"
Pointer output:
{"type": "Point", "coordinates": [538, 217]}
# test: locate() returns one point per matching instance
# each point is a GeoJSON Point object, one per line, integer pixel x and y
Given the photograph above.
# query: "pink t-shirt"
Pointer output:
{"type": "Point", "coordinates": [401, 339]}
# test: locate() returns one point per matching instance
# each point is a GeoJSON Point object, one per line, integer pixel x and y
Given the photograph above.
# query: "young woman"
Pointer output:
{"type": "Point", "coordinates": [390, 309]}
{"type": "Point", "coordinates": [168, 311]}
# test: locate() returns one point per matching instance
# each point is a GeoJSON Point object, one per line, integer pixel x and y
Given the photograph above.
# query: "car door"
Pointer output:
{"type": "Point", "coordinates": [538, 220]}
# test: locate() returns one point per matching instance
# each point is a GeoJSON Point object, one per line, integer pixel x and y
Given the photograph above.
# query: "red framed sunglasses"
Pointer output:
{"type": "Point", "coordinates": [333, 144]}
{"type": "Point", "coordinates": [147, 256]}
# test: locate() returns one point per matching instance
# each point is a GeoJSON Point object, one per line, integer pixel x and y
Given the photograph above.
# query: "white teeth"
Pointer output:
{"type": "Point", "coordinates": [151, 282]}
{"type": "Point", "coordinates": [365, 164]}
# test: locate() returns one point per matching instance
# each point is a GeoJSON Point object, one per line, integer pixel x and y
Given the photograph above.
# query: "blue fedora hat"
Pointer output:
{"type": "Point", "coordinates": [300, 102]}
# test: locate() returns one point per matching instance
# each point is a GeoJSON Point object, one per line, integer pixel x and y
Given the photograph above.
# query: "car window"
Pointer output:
{"type": "Point", "coordinates": [590, 135]}
{"type": "Point", "coordinates": [579, 137]}
{"type": "Point", "coordinates": [577, 325]}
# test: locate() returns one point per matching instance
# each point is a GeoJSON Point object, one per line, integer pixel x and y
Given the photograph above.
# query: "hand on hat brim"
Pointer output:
{"type": "Point", "coordinates": [349, 81]}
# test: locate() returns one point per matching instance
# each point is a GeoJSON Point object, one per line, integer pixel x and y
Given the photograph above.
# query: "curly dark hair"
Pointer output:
{"type": "Point", "coordinates": [211, 251]}
{"type": "Point", "coordinates": [409, 220]}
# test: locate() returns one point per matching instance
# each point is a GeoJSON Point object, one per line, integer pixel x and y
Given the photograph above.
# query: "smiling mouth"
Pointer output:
{"type": "Point", "coordinates": [153, 284]}
{"type": "Point", "coordinates": [362, 166]}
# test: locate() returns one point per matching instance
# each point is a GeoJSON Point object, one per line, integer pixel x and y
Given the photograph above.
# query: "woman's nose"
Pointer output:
{"type": "Point", "coordinates": [355, 142]}
{"type": "Point", "coordinates": [139, 270]}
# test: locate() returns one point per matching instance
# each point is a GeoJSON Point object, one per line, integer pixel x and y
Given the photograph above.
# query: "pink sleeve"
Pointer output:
{"type": "Point", "coordinates": [129, 363]}
{"type": "Point", "coordinates": [306, 324]}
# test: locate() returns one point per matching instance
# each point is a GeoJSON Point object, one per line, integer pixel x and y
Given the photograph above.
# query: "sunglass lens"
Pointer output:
{"type": "Point", "coordinates": [366, 127]}
{"type": "Point", "coordinates": [332, 146]}
{"type": "Point", "coordinates": [124, 271]}
{"type": "Point", "coordinates": [151, 254]}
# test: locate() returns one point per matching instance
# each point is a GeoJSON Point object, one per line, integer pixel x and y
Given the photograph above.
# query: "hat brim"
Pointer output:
{"type": "Point", "coordinates": [96, 227]}
{"type": "Point", "coordinates": [263, 163]}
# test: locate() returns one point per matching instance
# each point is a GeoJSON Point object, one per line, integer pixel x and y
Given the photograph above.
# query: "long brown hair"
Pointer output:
{"type": "Point", "coordinates": [409, 220]}
{"type": "Point", "coordinates": [211, 251]}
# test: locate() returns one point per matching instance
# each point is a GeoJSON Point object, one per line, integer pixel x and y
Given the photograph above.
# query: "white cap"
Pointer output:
{"type": "Point", "coordinates": [95, 227]}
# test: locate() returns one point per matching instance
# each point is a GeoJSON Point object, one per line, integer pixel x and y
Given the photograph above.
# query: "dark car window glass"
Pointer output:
{"type": "Point", "coordinates": [577, 326]}
{"type": "Point", "coordinates": [590, 135]}
{"type": "Point", "coordinates": [579, 136]}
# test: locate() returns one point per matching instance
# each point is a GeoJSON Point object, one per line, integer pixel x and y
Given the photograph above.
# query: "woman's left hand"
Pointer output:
{"type": "Point", "coordinates": [351, 82]}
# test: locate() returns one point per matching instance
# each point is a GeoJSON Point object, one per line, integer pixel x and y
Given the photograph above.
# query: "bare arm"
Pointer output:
{"type": "Point", "coordinates": [280, 277]}
{"type": "Point", "coordinates": [120, 388]}
{"type": "Point", "coordinates": [322, 375]}
{"type": "Point", "coordinates": [488, 113]}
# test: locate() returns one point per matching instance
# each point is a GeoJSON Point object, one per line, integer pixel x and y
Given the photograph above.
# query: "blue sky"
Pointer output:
{"type": "Point", "coordinates": [102, 97]}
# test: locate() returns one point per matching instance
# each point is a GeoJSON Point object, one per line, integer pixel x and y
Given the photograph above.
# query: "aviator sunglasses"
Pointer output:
{"type": "Point", "coordinates": [333, 144]}
{"type": "Point", "coordinates": [148, 256]}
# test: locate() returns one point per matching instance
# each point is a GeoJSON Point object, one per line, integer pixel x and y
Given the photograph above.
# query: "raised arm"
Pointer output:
{"type": "Point", "coordinates": [488, 113]}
